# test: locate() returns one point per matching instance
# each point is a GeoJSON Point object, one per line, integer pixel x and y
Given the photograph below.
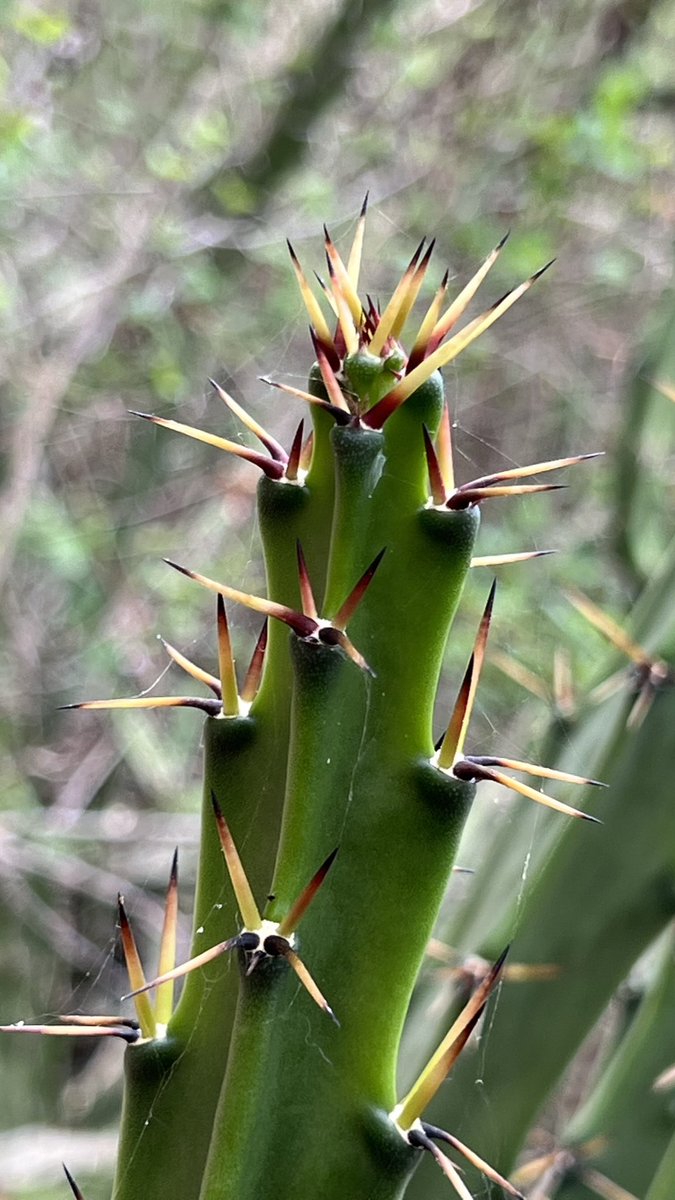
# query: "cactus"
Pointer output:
{"type": "Point", "coordinates": [330, 819]}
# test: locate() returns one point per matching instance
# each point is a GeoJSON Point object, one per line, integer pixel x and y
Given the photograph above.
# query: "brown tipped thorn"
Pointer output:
{"type": "Point", "coordinates": [72, 1184]}
{"type": "Point", "coordinates": [505, 560]}
{"type": "Point", "coordinates": [355, 254]}
{"type": "Point", "coordinates": [255, 670]}
{"type": "Point", "coordinates": [346, 611]}
{"type": "Point", "coordinates": [273, 447]}
{"type": "Point", "coordinates": [135, 972]}
{"type": "Point", "coordinates": [444, 450]}
{"type": "Point", "coordinates": [300, 624]}
{"type": "Point", "coordinates": [240, 884]}
{"type": "Point", "coordinates": [481, 1165]}
{"type": "Point", "coordinates": [421, 1141]}
{"type": "Point", "coordinates": [341, 415]}
{"type": "Point", "coordinates": [328, 375]}
{"type": "Point", "coordinates": [125, 1031]}
{"type": "Point", "coordinates": [347, 330]}
{"type": "Point", "coordinates": [450, 317]}
{"type": "Point", "coordinates": [337, 637]}
{"type": "Point", "coordinates": [465, 496]}
{"type": "Point", "coordinates": [84, 1020]}
{"type": "Point", "coordinates": [193, 964]}
{"type": "Point", "coordinates": [453, 742]}
{"type": "Point", "coordinates": [540, 468]}
{"type": "Point", "coordinates": [308, 983]}
{"type": "Point", "coordinates": [341, 276]}
{"type": "Point", "coordinates": [436, 482]}
{"type": "Point", "coordinates": [306, 594]}
{"type": "Point", "coordinates": [413, 292]}
{"type": "Point", "coordinates": [441, 1062]}
{"type": "Point", "coordinates": [326, 291]}
{"type": "Point", "coordinates": [167, 946]}
{"type": "Point", "coordinates": [211, 707]}
{"type": "Point", "coordinates": [444, 354]}
{"type": "Point", "coordinates": [269, 466]}
{"type": "Point", "coordinates": [297, 911]}
{"type": "Point", "coordinates": [466, 769]}
{"type": "Point", "coordinates": [310, 302]}
{"type": "Point", "coordinates": [191, 668]}
{"type": "Point", "coordinates": [428, 322]}
{"type": "Point", "coordinates": [388, 317]}
{"type": "Point", "coordinates": [226, 665]}
{"type": "Point", "coordinates": [293, 464]}
{"type": "Point", "coordinates": [513, 764]}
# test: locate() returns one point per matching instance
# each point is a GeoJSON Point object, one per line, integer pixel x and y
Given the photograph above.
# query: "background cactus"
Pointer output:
{"type": "Point", "coordinates": [323, 791]}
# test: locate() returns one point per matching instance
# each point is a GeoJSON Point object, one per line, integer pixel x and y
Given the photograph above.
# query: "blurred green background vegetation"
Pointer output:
{"type": "Point", "coordinates": [152, 160]}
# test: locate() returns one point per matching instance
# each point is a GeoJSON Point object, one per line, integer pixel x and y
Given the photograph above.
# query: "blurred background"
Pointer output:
{"type": "Point", "coordinates": [153, 159]}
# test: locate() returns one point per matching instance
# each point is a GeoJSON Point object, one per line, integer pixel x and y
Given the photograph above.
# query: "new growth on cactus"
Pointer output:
{"type": "Point", "coordinates": [326, 755]}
